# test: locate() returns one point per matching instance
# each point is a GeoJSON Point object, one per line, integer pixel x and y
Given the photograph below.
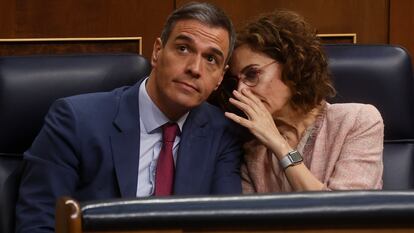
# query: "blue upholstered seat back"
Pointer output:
{"type": "Point", "coordinates": [381, 75]}
{"type": "Point", "coordinates": [28, 86]}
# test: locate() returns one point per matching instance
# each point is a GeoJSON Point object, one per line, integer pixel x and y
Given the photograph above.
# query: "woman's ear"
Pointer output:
{"type": "Point", "coordinates": [156, 51]}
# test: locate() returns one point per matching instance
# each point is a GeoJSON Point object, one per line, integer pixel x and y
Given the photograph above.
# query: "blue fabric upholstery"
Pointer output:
{"type": "Point", "coordinates": [28, 86]}
{"type": "Point", "coordinates": [381, 75]}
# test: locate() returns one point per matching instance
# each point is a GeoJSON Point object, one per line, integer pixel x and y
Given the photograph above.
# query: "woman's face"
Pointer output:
{"type": "Point", "coordinates": [262, 75]}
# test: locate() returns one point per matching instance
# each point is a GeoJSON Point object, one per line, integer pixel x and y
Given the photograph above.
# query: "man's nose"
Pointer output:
{"type": "Point", "coordinates": [194, 66]}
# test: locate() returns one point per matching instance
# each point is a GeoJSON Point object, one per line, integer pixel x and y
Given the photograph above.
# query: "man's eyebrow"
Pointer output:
{"type": "Point", "coordinates": [184, 37]}
{"type": "Point", "coordinates": [216, 51]}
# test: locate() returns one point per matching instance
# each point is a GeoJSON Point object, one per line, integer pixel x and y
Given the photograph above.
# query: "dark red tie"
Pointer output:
{"type": "Point", "coordinates": [164, 176]}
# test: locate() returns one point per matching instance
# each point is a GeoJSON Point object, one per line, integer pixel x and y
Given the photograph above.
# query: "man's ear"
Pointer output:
{"type": "Point", "coordinates": [156, 51]}
{"type": "Point", "coordinates": [225, 69]}
{"type": "Point", "coordinates": [218, 84]}
{"type": "Point", "coordinates": [222, 76]}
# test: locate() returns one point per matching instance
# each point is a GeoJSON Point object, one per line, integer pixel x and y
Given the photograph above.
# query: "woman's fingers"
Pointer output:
{"type": "Point", "coordinates": [250, 104]}
{"type": "Point", "coordinates": [253, 98]}
{"type": "Point", "coordinates": [248, 94]}
{"type": "Point", "coordinates": [243, 98]}
{"type": "Point", "coordinates": [240, 120]}
{"type": "Point", "coordinates": [242, 106]}
{"type": "Point", "coordinates": [259, 120]}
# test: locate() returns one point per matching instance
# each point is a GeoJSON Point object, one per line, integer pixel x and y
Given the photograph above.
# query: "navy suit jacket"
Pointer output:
{"type": "Point", "coordinates": [88, 148]}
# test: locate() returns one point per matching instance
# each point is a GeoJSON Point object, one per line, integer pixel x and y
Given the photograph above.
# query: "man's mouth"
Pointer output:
{"type": "Point", "coordinates": [189, 86]}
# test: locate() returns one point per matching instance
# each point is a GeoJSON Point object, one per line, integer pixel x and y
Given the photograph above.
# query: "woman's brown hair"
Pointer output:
{"type": "Point", "coordinates": [287, 38]}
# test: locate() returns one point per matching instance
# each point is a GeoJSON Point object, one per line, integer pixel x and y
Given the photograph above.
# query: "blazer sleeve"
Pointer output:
{"type": "Point", "coordinates": [360, 164]}
{"type": "Point", "coordinates": [227, 170]}
{"type": "Point", "coordinates": [50, 170]}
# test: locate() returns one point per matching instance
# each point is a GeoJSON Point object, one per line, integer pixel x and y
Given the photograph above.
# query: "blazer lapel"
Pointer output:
{"type": "Point", "coordinates": [125, 142]}
{"type": "Point", "coordinates": [192, 154]}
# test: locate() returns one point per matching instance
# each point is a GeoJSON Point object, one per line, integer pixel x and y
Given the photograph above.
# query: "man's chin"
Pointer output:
{"type": "Point", "coordinates": [190, 106]}
{"type": "Point", "coordinates": [186, 103]}
{"type": "Point", "coordinates": [184, 100]}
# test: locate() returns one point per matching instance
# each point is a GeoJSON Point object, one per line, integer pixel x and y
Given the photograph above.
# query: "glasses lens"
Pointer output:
{"type": "Point", "coordinates": [251, 76]}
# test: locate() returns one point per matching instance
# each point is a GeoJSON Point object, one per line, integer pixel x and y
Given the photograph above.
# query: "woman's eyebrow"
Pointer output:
{"type": "Point", "coordinates": [248, 67]}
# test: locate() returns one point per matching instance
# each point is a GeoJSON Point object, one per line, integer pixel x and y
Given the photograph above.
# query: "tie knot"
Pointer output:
{"type": "Point", "coordinates": [169, 131]}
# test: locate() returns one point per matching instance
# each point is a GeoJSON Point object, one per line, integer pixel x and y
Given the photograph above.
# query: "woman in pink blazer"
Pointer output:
{"type": "Point", "coordinates": [301, 143]}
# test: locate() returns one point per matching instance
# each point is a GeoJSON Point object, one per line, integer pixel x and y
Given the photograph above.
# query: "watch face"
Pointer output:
{"type": "Point", "coordinates": [296, 157]}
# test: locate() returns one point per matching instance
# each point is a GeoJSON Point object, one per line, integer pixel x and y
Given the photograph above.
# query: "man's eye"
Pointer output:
{"type": "Point", "coordinates": [182, 48]}
{"type": "Point", "coordinates": [211, 59]}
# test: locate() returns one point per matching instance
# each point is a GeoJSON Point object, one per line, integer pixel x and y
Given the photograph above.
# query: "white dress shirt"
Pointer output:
{"type": "Point", "coordinates": [151, 119]}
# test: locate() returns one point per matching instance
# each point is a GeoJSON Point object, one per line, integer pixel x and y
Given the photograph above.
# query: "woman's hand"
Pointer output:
{"type": "Point", "coordinates": [259, 121]}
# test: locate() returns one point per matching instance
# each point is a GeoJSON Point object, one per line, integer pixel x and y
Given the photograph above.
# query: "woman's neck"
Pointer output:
{"type": "Point", "coordinates": [292, 123]}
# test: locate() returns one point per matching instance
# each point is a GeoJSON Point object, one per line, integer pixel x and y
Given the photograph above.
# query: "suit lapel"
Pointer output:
{"type": "Point", "coordinates": [125, 142]}
{"type": "Point", "coordinates": [193, 152]}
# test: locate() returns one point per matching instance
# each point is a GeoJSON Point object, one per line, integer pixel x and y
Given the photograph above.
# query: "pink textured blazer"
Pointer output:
{"type": "Point", "coordinates": [343, 150]}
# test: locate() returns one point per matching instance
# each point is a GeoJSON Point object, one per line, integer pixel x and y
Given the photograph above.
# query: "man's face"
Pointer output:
{"type": "Point", "coordinates": [188, 67]}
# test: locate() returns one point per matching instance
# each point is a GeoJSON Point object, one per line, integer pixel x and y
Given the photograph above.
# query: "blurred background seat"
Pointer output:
{"type": "Point", "coordinates": [29, 85]}
{"type": "Point", "coordinates": [381, 75]}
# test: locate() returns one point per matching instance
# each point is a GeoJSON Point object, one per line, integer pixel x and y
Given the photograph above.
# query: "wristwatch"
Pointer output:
{"type": "Point", "coordinates": [292, 158]}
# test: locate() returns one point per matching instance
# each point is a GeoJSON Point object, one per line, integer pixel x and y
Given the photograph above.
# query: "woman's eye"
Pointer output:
{"type": "Point", "coordinates": [252, 74]}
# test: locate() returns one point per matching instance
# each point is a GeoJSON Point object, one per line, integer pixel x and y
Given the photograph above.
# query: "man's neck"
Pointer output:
{"type": "Point", "coordinates": [167, 107]}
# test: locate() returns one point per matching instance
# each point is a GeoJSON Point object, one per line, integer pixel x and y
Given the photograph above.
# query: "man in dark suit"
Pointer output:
{"type": "Point", "coordinates": [108, 145]}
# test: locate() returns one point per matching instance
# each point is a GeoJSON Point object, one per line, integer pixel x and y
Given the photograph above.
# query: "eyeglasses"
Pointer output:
{"type": "Point", "coordinates": [250, 76]}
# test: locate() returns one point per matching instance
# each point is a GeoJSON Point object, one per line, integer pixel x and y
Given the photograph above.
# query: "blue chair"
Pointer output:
{"type": "Point", "coordinates": [29, 85]}
{"type": "Point", "coordinates": [381, 75]}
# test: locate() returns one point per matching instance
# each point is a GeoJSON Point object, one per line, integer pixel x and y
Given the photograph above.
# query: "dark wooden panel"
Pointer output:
{"type": "Point", "coordinates": [132, 18]}
{"type": "Point", "coordinates": [7, 18]}
{"type": "Point", "coordinates": [367, 18]}
{"type": "Point", "coordinates": [402, 24]}
{"type": "Point", "coordinates": [338, 38]}
{"type": "Point", "coordinates": [72, 46]}
{"type": "Point", "coordinates": [86, 18]}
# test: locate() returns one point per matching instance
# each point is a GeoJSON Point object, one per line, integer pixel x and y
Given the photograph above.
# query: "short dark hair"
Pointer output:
{"type": "Point", "coordinates": [286, 37]}
{"type": "Point", "coordinates": [205, 13]}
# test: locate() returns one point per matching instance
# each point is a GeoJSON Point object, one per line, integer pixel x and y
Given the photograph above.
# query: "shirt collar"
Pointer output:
{"type": "Point", "coordinates": [150, 115]}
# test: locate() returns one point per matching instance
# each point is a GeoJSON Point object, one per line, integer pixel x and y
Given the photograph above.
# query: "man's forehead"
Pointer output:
{"type": "Point", "coordinates": [194, 30]}
{"type": "Point", "coordinates": [192, 24]}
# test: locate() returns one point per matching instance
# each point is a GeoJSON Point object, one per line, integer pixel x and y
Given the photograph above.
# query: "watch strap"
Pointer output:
{"type": "Point", "coordinates": [292, 158]}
